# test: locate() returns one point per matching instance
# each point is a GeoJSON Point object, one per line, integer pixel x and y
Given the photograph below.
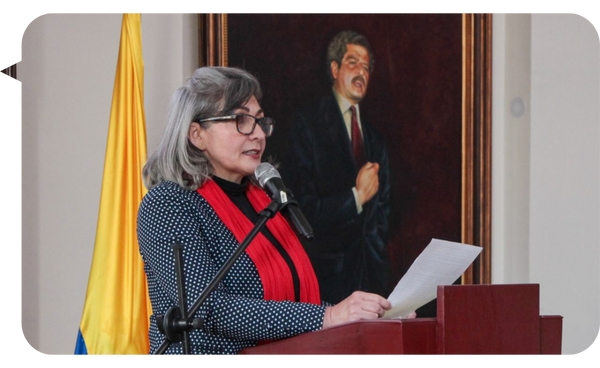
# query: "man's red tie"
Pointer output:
{"type": "Point", "coordinates": [357, 141]}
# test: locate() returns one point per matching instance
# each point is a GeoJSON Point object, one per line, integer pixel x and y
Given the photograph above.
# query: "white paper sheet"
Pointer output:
{"type": "Point", "coordinates": [441, 263]}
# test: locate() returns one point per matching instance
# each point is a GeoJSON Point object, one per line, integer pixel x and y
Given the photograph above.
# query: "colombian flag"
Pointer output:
{"type": "Point", "coordinates": [117, 307]}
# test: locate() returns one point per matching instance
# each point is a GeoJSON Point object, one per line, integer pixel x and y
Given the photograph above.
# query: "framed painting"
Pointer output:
{"type": "Point", "coordinates": [429, 97]}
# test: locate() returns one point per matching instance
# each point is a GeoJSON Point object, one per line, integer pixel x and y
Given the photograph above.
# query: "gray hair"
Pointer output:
{"type": "Point", "coordinates": [211, 91]}
{"type": "Point", "coordinates": [338, 48]}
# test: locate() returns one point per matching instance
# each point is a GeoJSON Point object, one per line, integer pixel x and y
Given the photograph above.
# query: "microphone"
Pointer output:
{"type": "Point", "coordinates": [269, 179]}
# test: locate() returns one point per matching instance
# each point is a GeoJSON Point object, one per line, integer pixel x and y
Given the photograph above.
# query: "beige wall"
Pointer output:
{"type": "Point", "coordinates": [545, 170]}
{"type": "Point", "coordinates": [565, 173]}
{"type": "Point", "coordinates": [67, 71]}
{"type": "Point", "coordinates": [546, 166]}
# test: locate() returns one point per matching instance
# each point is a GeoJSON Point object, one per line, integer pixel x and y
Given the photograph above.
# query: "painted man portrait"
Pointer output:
{"type": "Point", "coordinates": [337, 167]}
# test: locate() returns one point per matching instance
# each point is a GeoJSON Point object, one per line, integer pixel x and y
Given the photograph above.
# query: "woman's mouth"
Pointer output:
{"type": "Point", "coordinates": [252, 153]}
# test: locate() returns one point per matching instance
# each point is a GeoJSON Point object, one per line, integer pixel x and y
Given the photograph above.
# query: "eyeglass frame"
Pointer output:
{"type": "Point", "coordinates": [234, 117]}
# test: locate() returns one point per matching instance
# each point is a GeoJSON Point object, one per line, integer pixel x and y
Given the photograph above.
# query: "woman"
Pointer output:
{"type": "Point", "coordinates": [200, 196]}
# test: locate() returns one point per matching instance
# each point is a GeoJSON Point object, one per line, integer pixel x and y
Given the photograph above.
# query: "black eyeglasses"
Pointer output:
{"type": "Point", "coordinates": [246, 123]}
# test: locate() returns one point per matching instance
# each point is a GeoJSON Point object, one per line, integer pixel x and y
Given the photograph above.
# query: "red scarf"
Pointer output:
{"type": "Point", "coordinates": [273, 270]}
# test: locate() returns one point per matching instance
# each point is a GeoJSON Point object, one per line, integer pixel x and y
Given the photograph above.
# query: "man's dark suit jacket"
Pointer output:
{"type": "Point", "coordinates": [349, 251]}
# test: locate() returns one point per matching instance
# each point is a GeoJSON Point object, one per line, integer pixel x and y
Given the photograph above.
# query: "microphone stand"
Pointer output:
{"type": "Point", "coordinates": [178, 322]}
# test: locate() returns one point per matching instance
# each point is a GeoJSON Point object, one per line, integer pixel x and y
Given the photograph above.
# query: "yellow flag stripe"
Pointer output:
{"type": "Point", "coordinates": [117, 307]}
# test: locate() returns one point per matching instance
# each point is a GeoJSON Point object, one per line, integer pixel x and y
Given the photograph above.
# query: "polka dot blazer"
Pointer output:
{"type": "Point", "coordinates": [235, 315]}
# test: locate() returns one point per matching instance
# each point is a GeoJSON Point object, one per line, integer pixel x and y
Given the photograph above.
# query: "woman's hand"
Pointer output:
{"type": "Point", "coordinates": [358, 306]}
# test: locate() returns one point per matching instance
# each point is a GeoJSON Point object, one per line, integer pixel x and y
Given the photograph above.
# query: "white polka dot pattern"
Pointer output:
{"type": "Point", "coordinates": [236, 316]}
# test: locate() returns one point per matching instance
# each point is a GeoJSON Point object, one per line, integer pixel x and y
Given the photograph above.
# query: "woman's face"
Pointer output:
{"type": "Point", "coordinates": [233, 155]}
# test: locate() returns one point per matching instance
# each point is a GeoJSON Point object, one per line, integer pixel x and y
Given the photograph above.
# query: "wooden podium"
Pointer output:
{"type": "Point", "coordinates": [473, 319]}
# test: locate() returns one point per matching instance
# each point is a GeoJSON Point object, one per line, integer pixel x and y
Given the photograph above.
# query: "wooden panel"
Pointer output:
{"type": "Point", "coordinates": [366, 337]}
{"type": "Point", "coordinates": [551, 334]}
{"type": "Point", "coordinates": [488, 319]}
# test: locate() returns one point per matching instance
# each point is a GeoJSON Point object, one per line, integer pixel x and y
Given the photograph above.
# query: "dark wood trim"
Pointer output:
{"type": "Point", "coordinates": [212, 39]}
{"type": "Point", "coordinates": [477, 143]}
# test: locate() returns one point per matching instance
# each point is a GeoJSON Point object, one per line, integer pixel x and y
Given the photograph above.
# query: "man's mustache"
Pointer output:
{"type": "Point", "coordinates": [359, 78]}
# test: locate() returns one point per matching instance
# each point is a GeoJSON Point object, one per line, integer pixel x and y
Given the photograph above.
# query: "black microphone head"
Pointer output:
{"type": "Point", "coordinates": [264, 172]}
{"type": "Point", "coordinates": [269, 179]}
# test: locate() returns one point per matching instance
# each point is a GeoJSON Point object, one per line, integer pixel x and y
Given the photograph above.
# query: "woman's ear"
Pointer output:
{"type": "Point", "coordinates": [195, 136]}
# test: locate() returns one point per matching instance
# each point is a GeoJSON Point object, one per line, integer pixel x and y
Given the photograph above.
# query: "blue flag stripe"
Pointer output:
{"type": "Point", "coordinates": [80, 348]}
